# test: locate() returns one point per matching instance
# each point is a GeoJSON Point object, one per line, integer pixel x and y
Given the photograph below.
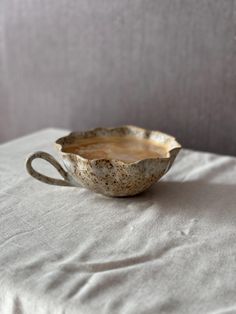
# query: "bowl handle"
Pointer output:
{"type": "Point", "coordinates": [44, 178]}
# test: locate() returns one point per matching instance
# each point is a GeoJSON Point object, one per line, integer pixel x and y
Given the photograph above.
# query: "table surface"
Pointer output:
{"type": "Point", "coordinates": [67, 250]}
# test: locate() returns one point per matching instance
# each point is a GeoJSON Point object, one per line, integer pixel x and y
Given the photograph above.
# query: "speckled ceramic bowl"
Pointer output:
{"type": "Point", "coordinates": [108, 177]}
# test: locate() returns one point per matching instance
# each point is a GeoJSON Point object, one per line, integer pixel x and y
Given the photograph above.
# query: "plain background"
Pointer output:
{"type": "Point", "coordinates": [160, 64]}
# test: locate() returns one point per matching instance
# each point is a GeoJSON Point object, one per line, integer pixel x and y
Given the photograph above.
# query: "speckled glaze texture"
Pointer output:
{"type": "Point", "coordinates": [110, 177]}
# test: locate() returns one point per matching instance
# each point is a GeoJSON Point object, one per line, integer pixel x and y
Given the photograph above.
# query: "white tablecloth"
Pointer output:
{"type": "Point", "coordinates": [66, 250]}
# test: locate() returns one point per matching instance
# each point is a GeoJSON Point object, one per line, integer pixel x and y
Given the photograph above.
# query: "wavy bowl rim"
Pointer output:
{"type": "Point", "coordinates": [177, 146]}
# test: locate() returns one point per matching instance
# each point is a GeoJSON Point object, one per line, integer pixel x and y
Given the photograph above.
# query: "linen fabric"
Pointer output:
{"type": "Point", "coordinates": [66, 250]}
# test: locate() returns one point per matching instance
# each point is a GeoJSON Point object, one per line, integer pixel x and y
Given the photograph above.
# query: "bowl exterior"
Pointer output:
{"type": "Point", "coordinates": [114, 177]}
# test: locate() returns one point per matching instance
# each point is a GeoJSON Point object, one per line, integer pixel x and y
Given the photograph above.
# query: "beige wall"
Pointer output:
{"type": "Point", "coordinates": [162, 64]}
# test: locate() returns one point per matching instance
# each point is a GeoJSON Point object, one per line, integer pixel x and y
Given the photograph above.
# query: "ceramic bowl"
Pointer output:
{"type": "Point", "coordinates": [108, 177]}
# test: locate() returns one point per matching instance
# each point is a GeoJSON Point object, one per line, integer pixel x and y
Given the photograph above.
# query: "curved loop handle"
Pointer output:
{"type": "Point", "coordinates": [42, 177]}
